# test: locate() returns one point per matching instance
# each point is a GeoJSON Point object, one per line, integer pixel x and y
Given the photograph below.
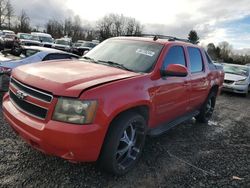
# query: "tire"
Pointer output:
{"type": "Point", "coordinates": [246, 94]}
{"type": "Point", "coordinates": [207, 108]}
{"type": "Point", "coordinates": [123, 144]}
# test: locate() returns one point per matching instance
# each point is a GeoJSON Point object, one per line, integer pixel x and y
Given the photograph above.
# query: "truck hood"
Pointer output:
{"type": "Point", "coordinates": [84, 48]}
{"type": "Point", "coordinates": [234, 77]}
{"type": "Point", "coordinates": [68, 78]}
{"type": "Point", "coordinates": [30, 41]}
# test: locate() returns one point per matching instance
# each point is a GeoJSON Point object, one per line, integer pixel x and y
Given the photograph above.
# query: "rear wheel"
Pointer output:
{"type": "Point", "coordinates": [123, 144]}
{"type": "Point", "coordinates": [207, 108]}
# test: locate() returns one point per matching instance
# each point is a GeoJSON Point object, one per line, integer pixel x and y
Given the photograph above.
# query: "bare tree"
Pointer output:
{"type": "Point", "coordinates": [3, 6]}
{"type": "Point", "coordinates": [55, 28]}
{"type": "Point", "coordinates": [77, 32]}
{"type": "Point", "coordinates": [225, 50]}
{"type": "Point", "coordinates": [113, 25]}
{"type": "Point", "coordinates": [69, 28]}
{"type": "Point", "coordinates": [68, 25]}
{"type": "Point", "coordinates": [24, 22]}
{"type": "Point", "coordinates": [9, 13]}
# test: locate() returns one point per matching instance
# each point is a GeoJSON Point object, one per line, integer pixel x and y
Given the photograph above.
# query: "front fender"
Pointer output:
{"type": "Point", "coordinates": [120, 95]}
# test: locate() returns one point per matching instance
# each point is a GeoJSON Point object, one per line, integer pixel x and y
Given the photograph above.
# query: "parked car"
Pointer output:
{"type": "Point", "coordinates": [28, 55]}
{"type": "Point", "coordinates": [80, 48]}
{"type": "Point", "coordinates": [45, 38]}
{"type": "Point", "coordinates": [7, 40]}
{"type": "Point", "coordinates": [237, 78]}
{"type": "Point", "coordinates": [5, 32]}
{"type": "Point", "coordinates": [27, 39]}
{"type": "Point", "coordinates": [102, 107]}
{"type": "Point", "coordinates": [80, 41]}
{"type": "Point", "coordinates": [62, 44]}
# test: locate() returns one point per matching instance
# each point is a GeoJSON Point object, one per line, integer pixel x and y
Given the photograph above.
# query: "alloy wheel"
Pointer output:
{"type": "Point", "coordinates": [130, 145]}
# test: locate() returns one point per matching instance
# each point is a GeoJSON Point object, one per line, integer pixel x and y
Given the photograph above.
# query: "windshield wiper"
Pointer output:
{"type": "Point", "coordinates": [235, 73]}
{"type": "Point", "coordinates": [114, 64]}
{"type": "Point", "coordinates": [90, 59]}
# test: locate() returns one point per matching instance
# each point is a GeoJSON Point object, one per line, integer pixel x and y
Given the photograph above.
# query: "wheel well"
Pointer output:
{"type": "Point", "coordinates": [142, 110]}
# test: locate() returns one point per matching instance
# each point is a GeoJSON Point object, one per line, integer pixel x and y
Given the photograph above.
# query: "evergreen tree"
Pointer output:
{"type": "Point", "coordinates": [193, 37]}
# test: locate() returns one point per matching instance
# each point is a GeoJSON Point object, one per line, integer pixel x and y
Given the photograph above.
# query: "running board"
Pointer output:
{"type": "Point", "coordinates": [162, 128]}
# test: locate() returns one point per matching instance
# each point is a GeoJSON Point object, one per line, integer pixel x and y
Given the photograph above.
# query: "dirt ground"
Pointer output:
{"type": "Point", "coordinates": [190, 155]}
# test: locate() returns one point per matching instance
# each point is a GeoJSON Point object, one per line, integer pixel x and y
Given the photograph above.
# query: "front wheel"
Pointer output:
{"type": "Point", "coordinates": [207, 108]}
{"type": "Point", "coordinates": [124, 143]}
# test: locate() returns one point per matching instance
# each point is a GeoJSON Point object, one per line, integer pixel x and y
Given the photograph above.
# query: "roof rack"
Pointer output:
{"type": "Point", "coordinates": [156, 37]}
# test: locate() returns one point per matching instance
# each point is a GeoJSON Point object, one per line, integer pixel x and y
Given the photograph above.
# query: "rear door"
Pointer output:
{"type": "Point", "coordinates": [199, 80]}
{"type": "Point", "coordinates": [171, 99]}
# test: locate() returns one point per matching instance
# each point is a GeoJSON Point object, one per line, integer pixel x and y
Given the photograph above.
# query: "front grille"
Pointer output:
{"type": "Point", "coordinates": [31, 91]}
{"type": "Point", "coordinates": [47, 45]}
{"type": "Point", "coordinates": [28, 107]}
{"type": "Point", "coordinates": [228, 81]}
{"type": "Point", "coordinates": [30, 44]}
{"type": "Point", "coordinates": [60, 48]}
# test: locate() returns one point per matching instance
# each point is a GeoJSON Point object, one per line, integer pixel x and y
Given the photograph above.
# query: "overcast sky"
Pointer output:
{"type": "Point", "coordinates": [215, 21]}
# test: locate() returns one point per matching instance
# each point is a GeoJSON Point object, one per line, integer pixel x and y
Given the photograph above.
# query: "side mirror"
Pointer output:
{"type": "Point", "coordinates": [85, 52]}
{"type": "Point", "coordinates": [175, 70]}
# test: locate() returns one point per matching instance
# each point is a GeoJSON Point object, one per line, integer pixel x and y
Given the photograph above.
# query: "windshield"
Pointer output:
{"type": "Point", "coordinates": [88, 44]}
{"type": "Point", "coordinates": [28, 37]}
{"type": "Point", "coordinates": [77, 44]}
{"type": "Point", "coordinates": [62, 42]}
{"type": "Point", "coordinates": [138, 56]}
{"type": "Point", "coordinates": [8, 33]}
{"type": "Point", "coordinates": [45, 39]}
{"type": "Point", "coordinates": [242, 71]}
{"type": "Point", "coordinates": [9, 36]}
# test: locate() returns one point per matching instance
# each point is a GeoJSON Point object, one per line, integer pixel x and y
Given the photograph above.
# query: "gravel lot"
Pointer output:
{"type": "Point", "coordinates": [190, 155]}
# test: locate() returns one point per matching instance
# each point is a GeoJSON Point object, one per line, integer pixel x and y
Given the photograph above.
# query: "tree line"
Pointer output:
{"type": "Point", "coordinates": [223, 52]}
{"type": "Point", "coordinates": [111, 25]}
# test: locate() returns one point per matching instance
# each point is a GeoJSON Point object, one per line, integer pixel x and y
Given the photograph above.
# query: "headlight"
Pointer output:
{"type": "Point", "coordinates": [241, 82]}
{"type": "Point", "coordinates": [75, 111]}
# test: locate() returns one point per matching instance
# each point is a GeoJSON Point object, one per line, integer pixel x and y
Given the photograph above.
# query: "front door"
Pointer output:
{"type": "Point", "coordinates": [172, 93]}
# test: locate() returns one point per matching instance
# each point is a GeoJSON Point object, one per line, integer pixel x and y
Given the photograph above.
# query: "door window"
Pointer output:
{"type": "Point", "coordinates": [175, 55]}
{"type": "Point", "coordinates": [195, 58]}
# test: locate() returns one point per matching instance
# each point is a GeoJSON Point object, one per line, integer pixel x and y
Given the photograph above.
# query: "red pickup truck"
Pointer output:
{"type": "Point", "coordinates": [102, 107]}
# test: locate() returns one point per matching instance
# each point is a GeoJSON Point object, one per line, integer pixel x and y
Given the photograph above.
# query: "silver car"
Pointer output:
{"type": "Point", "coordinates": [28, 55]}
{"type": "Point", "coordinates": [237, 78]}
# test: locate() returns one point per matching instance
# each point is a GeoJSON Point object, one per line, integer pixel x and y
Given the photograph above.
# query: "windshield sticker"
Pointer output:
{"type": "Point", "coordinates": [145, 52]}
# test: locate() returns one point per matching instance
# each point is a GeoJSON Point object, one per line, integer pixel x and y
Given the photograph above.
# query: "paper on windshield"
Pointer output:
{"type": "Point", "coordinates": [145, 52]}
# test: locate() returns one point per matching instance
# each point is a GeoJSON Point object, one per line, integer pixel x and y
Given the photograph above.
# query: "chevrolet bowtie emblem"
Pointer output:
{"type": "Point", "coordinates": [21, 95]}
